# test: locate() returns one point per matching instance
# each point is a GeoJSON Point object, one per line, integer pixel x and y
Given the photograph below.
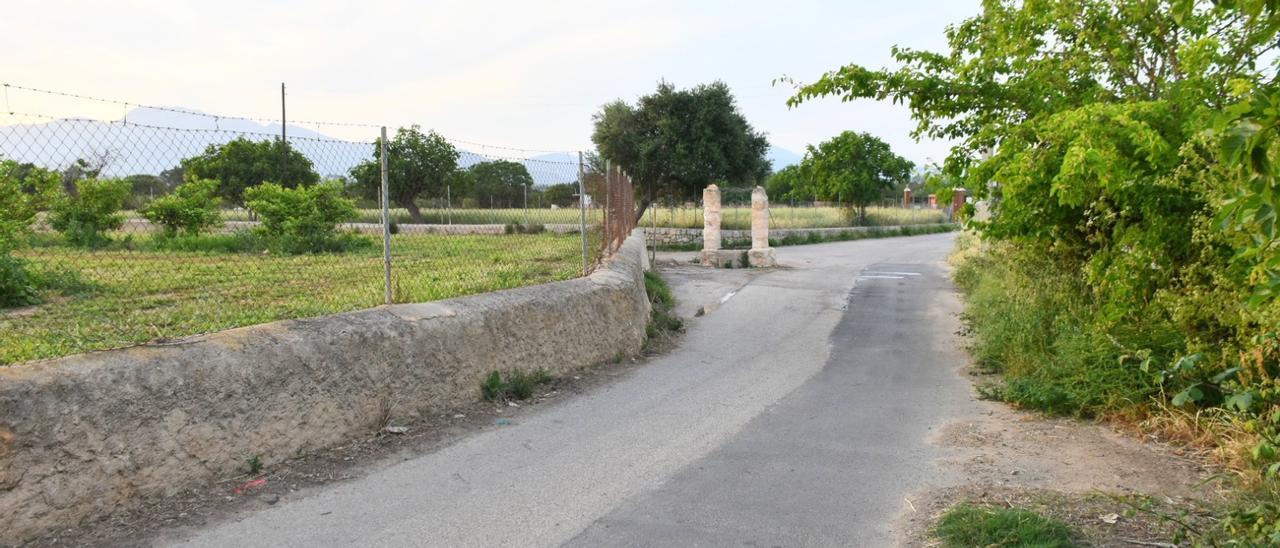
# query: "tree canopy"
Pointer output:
{"type": "Point", "coordinates": [242, 163]}
{"type": "Point", "coordinates": [419, 165]}
{"type": "Point", "coordinates": [679, 141]}
{"type": "Point", "coordinates": [852, 167]}
{"type": "Point", "coordinates": [500, 183]}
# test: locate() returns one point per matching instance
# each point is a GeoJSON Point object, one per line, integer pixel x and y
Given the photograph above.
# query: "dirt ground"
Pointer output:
{"type": "Point", "coordinates": [1114, 489]}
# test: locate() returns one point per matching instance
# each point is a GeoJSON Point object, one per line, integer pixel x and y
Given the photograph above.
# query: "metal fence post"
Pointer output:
{"type": "Point", "coordinates": [386, 220]}
{"type": "Point", "coordinates": [582, 215]}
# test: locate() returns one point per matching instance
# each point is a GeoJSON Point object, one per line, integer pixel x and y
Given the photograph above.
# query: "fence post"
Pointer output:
{"type": "Point", "coordinates": [386, 220]}
{"type": "Point", "coordinates": [582, 215]}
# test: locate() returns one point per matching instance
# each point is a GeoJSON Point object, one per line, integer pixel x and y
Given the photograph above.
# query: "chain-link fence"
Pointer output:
{"type": "Point", "coordinates": [133, 231]}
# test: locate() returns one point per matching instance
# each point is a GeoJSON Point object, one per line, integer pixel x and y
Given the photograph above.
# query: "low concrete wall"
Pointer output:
{"type": "Point", "coordinates": [687, 236]}
{"type": "Point", "coordinates": [81, 436]}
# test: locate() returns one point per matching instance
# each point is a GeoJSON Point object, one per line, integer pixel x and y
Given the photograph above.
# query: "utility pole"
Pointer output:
{"type": "Point", "coordinates": [386, 218]}
{"type": "Point", "coordinates": [284, 138]}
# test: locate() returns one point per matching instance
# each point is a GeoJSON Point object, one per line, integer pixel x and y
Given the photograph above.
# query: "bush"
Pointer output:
{"type": "Point", "coordinates": [17, 288]}
{"type": "Point", "coordinates": [304, 219]}
{"type": "Point", "coordinates": [24, 190]}
{"type": "Point", "coordinates": [191, 208]}
{"type": "Point", "coordinates": [86, 217]}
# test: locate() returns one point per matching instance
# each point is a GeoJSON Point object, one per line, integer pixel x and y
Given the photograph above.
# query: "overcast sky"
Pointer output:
{"type": "Point", "coordinates": [527, 74]}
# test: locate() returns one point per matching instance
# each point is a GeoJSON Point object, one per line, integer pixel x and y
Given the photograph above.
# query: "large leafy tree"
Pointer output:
{"type": "Point", "coordinates": [242, 163]}
{"type": "Point", "coordinates": [854, 168]}
{"type": "Point", "coordinates": [1095, 129]}
{"type": "Point", "coordinates": [419, 165]}
{"type": "Point", "coordinates": [678, 141]}
{"type": "Point", "coordinates": [501, 183]}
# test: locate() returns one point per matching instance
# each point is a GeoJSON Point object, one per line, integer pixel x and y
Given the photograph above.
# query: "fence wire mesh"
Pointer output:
{"type": "Point", "coordinates": [102, 263]}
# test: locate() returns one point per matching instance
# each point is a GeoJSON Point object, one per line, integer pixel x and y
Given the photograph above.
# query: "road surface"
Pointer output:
{"type": "Point", "coordinates": [794, 413]}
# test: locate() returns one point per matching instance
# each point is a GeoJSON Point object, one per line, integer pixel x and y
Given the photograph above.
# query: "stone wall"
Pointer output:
{"type": "Point", "coordinates": [84, 435]}
{"type": "Point", "coordinates": [690, 236]}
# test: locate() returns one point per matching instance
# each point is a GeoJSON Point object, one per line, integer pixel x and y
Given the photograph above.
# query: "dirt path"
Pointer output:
{"type": "Point", "coordinates": [1110, 486]}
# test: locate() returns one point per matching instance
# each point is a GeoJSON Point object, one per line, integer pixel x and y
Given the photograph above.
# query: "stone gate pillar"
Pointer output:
{"type": "Point", "coordinates": [906, 198]}
{"type": "Point", "coordinates": [761, 254]}
{"type": "Point", "coordinates": [710, 224]}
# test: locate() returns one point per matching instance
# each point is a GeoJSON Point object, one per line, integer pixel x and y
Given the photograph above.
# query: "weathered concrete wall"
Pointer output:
{"type": "Point", "coordinates": [687, 236]}
{"type": "Point", "coordinates": [83, 435]}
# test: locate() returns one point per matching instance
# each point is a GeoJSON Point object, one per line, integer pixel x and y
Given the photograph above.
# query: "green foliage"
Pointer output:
{"type": "Point", "coordinates": [304, 219]}
{"type": "Point", "coordinates": [24, 191]}
{"type": "Point", "coordinates": [662, 317]}
{"type": "Point", "coordinates": [852, 167]}
{"type": "Point", "coordinates": [255, 464]}
{"type": "Point", "coordinates": [967, 525]}
{"type": "Point", "coordinates": [242, 164]}
{"type": "Point", "coordinates": [192, 208]}
{"type": "Point", "coordinates": [516, 384]}
{"type": "Point", "coordinates": [86, 215]}
{"type": "Point", "coordinates": [419, 165]}
{"type": "Point", "coordinates": [785, 184]}
{"type": "Point", "coordinates": [676, 142]}
{"type": "Point", "coordinates": [17, 288]}
{"type": "Point", "coordinates": [562, 194]}
{"type": "Point", "coordinates": [500, 183]}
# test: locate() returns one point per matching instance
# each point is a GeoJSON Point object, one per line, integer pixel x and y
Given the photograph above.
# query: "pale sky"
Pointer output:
{"type": "Point", "coordinates": [521, 74]}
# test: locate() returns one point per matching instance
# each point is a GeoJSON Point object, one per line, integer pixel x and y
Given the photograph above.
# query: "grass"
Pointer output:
{"type": "Point", "coordinates": [733, 217]}
{"type": "Point", "coordinates": [131, 296]}
{"type": "Point", "coordinates": [662, 318]}
{"type": "Point", "coordinates": [516, 384]}
{"type": "Point", "coordinates": [968, 525]}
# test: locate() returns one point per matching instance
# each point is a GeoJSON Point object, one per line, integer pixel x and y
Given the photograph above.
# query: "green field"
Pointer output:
{"type": "Point", "coordinates": [135, 296]}
{"type": "Point", "coordinates": [732, 217]}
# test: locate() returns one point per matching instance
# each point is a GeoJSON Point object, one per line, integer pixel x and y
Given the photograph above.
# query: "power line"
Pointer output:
{"type": "Point", "coordinates": [216, 117]}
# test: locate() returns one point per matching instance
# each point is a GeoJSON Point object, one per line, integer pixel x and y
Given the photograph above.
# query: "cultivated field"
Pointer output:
{"type": "Point", "coordinates": [134, 296]}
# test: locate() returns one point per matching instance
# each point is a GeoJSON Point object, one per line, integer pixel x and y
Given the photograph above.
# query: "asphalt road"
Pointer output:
{"type": "Point", "coordinates": [793, 414]}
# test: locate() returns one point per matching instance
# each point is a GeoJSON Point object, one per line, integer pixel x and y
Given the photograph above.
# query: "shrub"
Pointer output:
{"type": "Point", "coordinates": [304, 219]}
{"type": "Point", "coordinates": [24, 190]}
{"type": "Point", "coordinates": [191, 208]}
{"type": "Point", "coordinates": [85, 217]}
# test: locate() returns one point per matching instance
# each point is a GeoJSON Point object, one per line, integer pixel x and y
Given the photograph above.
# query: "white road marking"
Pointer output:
{"type": "Point", "coordinates": [896, 273]}
{"type": "Point", "coordinates": [881, 277]}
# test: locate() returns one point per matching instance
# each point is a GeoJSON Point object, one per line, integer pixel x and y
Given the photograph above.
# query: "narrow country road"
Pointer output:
{"type": "Point", "coordinates": [793, 414]}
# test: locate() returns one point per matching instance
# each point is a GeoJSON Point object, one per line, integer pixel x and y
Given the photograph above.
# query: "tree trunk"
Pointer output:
{"type": "Point", "coordinates": [415, 214]}
{"type": "Point", "coordinates": [645, 202]}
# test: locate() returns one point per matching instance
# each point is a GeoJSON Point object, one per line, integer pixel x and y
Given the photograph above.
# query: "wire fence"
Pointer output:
{"type": "Point", "coordinates": [296, 228]}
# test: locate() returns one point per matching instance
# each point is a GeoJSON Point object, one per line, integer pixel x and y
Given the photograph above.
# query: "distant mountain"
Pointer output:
{"type": "Point", "coordinates": [151, 141]}
{"type": "Point", "coordinates": [781, 157]}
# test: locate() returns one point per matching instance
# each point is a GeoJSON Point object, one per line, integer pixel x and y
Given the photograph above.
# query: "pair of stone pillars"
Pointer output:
{"type": "Point", "coordinates": [760, 255]}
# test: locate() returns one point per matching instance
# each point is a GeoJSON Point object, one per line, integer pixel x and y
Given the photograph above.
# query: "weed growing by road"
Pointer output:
{"type": "Point", "coordinates": [968, 525]}
{"type": "Point", "coordinates": [516, 384]}
{"type": "Point", "coordinates": [663, 322]}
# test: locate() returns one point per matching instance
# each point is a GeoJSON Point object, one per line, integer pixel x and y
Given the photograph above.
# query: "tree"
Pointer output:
{"type": "Point", "coordinates": [242, 164]}
{"type": "Point", "coordinates": [418, 166]}
{"type": "Point", "coordinates": [502, 183]}
{"type": "Point", "coordinates": [785, 184]}
{"type": "Point", "coordinates": [852, 167]}
{"type": "Point", "coordinates": [679, 141]}
{"type": "Point", "coordinates": [561, 194]}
